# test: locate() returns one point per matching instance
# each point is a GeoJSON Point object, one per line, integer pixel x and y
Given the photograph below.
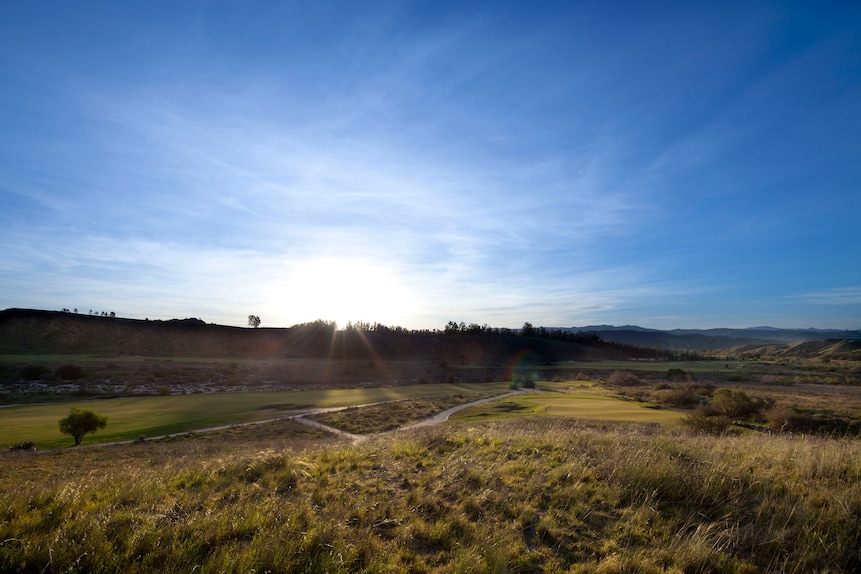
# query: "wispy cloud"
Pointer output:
{"type": "Point", "coordinates": [832, 296]}
{"type": "Point", "coordinates": [552, 164]}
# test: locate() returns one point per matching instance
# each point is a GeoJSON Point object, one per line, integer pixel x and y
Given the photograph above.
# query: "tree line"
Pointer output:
{"type": "Point", "coordinates": [96, 313]}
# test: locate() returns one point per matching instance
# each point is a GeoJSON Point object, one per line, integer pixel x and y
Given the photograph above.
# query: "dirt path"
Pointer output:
{"type": "Point", "coordinates": [301, 418]}
{"type": "Point", "coordinates": [327, 428]}
{"type": "Point", "coordinates": [443, 416]}
{"type": "Point", "coordinates": [433, 420]}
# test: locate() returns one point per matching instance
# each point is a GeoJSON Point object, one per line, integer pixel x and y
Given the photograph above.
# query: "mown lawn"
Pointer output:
{"type": "Point", "coordinates": [129, 418]}
{"type": "Point", "coordinates": [578, 404]}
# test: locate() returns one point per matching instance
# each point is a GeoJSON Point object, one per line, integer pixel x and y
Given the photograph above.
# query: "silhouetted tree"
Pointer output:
{"type": "Point", "coordinates": [253, 321]}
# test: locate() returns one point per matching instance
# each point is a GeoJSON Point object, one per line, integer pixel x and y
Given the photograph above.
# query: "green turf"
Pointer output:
{"type": "Point", "coordinates": [581, 405]}
{"type": "Point", "coordinates": [129, 418]}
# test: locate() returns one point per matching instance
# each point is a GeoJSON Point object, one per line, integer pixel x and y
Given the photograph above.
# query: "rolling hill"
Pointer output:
{"type": "Point", "coordinates": [706, 340]}
{"type": "Point", "coordinates": [26, 331]}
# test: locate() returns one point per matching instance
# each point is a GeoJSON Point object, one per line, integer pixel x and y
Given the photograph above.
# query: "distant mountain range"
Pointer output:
{"type": "Point", "coordinates": [712, 339]}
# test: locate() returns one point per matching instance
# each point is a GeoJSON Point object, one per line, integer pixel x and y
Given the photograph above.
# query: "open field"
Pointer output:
{"type": "Point", "coordinates": [527, 495]}
{"type": "Point", "coordinates": [106, 375]}
{"type": "Point", "coordinates": [129, 418]}
{"type": "Point", "coordinates": [533, 482]}
{"type": "Point", "coordinates": [578, 405]}
{"type": "Point", "coordinates": [204, 393]}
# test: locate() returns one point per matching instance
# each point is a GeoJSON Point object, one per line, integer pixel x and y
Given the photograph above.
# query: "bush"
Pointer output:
{"type": "Point", "coordinates": [34, 372]}
{"type": "Point", "coordinates": [523, 380]}
{"type": "Point", "coordinates": [624, 379]}
{"type": "Point", "coordinates": [734, 403]}
{"type": "Point", "coordinates": [700, 423]}
{"type": "Point", "coordinates": [69, 372]}
{"type": "Point", "coordinates": [785, 419]}
{"type": "Point", "coordinates": [683, 396]}
{"type": "Point", "coordinates": [790, 420]}
{"type": "Point", "coordinates": [676, 374]}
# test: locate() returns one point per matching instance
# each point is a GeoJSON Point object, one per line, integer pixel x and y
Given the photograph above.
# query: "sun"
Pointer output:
{"type": "Point", "coordinates": [345, 290]}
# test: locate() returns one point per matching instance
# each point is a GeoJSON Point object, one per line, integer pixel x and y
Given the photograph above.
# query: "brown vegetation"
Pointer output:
{"type": "Point", "coordinates": [526, 495]}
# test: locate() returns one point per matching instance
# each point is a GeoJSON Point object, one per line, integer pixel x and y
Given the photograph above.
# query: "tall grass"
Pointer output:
{"type": "Point", "coordinates": [526, 495]}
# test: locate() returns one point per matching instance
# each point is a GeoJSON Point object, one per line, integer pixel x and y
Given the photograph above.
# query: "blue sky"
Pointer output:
{"type": "Point", "coordinates": [664, 164]}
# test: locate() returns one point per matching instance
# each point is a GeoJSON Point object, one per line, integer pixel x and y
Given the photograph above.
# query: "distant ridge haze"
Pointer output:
{"type": "Point", "coordinates": [712, 339]}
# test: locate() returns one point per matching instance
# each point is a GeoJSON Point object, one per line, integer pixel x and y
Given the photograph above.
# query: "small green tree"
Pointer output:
{"type": "Point", "coordinates": [81, 422]}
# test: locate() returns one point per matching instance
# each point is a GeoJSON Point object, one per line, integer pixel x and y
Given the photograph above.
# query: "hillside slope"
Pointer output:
{"type": "Point", "coordinates": [822, 349]}
{"type": "Point", "coordinates": [25, 331]}
{"type": "Point", "coordinates": [706, 340]}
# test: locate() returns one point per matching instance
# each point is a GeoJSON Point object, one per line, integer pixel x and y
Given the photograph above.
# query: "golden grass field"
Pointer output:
{"type": "Point", "coordinates": [532, 494]}
{"type": "Point", "coordinates": [579, 477]}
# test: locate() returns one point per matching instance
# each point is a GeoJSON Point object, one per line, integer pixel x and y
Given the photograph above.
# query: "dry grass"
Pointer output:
{"type": "Point", "coordinates": [539, 494]}
{"type": "Point", "coordinates": [394, 414]}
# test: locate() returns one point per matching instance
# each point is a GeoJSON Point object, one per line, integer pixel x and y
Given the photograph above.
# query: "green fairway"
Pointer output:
{"type": "Point", "coordinates": [129, 418]}
{"type": "Point", "coordinates": [576, 405]}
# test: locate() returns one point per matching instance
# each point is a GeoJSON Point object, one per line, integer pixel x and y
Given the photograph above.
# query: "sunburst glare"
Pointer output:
{"type": "Point", "coordinates": [343, 290]}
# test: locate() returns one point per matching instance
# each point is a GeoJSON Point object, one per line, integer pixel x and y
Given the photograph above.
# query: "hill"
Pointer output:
{"type": "Point", "coordinates": [705, 340]}
{"type": "Point", "coordinates": [822, 349]}
{"type": "Point", "coordinates": [27, 331]}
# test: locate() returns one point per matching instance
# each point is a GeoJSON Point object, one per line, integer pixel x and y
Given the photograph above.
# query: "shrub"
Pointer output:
{"type": "Point", "coordinates": [700, 423]}
{"type": "Point", "coordinates": [70, 372]}
{"type": "Point", "coordinates": [790, 420]}
{"type": "Point", "coordinates": [624, 379]}
{"type": "Point", "coordinates": [683, 396]}
{"type": "Point", "coordinates": [734, 403]}
{"type": "Point", "coordinates": [526, 380]}
{"type": "Point", "coordinates": [785, 419]}
{"type": "Point", "coordinates": [676, 374]}
{"type": "Point", "coordinates": [34, 372]}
